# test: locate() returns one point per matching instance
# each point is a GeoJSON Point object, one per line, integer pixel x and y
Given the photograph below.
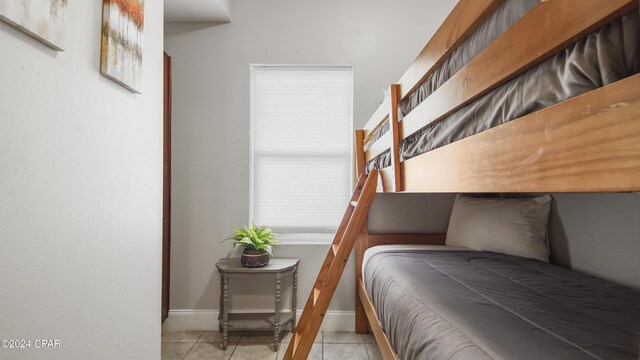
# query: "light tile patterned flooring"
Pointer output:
{"type": "Point", "coordinates": [201, 345]}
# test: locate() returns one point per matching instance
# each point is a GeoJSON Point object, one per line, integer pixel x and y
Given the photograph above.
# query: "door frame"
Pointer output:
{"type": "Point", "coordinates": [166, 188]}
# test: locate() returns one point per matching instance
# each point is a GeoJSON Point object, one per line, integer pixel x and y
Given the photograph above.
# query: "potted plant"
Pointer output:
{"type": "Point", "coordinates": [257, 242]}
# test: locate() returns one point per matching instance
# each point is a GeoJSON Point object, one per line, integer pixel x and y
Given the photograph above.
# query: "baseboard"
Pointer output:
{"type": "Point", "coordinates": [191, 319]}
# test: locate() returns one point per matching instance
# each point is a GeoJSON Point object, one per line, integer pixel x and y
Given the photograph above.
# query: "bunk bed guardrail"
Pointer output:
{"type": "Point", "coordinates": [548, 28]}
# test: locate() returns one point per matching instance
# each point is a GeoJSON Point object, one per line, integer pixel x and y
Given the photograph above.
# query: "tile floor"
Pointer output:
{"type": "Point", "coordinates": [201, 345]}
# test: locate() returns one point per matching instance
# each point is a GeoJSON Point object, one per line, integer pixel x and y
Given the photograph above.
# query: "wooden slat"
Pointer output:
{"type": "Point", "coordinates": [383, 342]}
{"type": "Point", "coordinates": [590, 143]}
{"type": "Point", "coordinates": [385, 182]}
{"type": "Point", "coordinates": [396, 135]}
{"type": "Point", "coordinates": [547, 28]}
{"type": "Point", "coordinates": [381, 145]}
{"type": "Point", "coordinates": [360, 159]}
{"type": "Point", "coordinates": [461, 22]}
{"type": "Point", "coordinates": [362, 244]}
{"type": "Point", "coordinates": [368, 134]}
{"type": "Point", "coordinates": [377, 119]}
{"type": "Point", "coordinates": [316, 294]}
{"type": "Point", "coordinates": [405, 239]}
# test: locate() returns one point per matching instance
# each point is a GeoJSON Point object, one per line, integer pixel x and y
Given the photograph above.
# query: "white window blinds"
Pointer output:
{"type": "Point", "coordinates": [301, 149]}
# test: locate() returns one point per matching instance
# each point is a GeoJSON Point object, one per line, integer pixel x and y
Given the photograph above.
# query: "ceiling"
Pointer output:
{"type": "Point", "coordinates": [196, 11]}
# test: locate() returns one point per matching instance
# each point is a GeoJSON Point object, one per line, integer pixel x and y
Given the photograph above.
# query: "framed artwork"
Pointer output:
{"type": "Point", "coordinates": [122, 35]}
{"type": "Point", "coordinates": [45, 20]}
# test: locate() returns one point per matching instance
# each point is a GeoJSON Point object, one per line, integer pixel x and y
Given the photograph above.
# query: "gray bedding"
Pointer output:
{"type": "Point", "coordinates": [479, 305]}
{"type": "Point", "coordinates": [605, 56]}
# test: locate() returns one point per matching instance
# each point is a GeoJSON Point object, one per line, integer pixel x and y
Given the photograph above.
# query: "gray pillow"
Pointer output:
{"type": "Point", "coordinates": [509, 226]}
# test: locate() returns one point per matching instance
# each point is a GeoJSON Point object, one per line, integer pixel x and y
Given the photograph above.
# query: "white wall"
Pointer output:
{"type": "Point", "coordinates": [598, 234]}
{"type": "Point", "coordinates": [80, 195]}
{"type": "Point", "coordinates": [211, 117]}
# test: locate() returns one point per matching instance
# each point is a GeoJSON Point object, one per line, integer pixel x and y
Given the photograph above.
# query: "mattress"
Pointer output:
{"type": "Point", "coordinates": [604, 57]}
{"type": "Point", "coordinates": [480, 305]}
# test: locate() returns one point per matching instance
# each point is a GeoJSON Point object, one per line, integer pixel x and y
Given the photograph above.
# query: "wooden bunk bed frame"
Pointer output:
{"type": "Point", "coordinates": [590, 143]}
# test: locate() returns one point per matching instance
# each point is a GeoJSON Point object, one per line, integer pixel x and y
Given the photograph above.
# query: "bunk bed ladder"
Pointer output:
{"type": "Point", "coordinates": [332, 268]}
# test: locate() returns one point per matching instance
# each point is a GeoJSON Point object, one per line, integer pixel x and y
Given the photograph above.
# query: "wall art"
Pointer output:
{"type": "Point", "coordinates": [122, 36]}
{"type": "Point", "coordinates": [45, 20]}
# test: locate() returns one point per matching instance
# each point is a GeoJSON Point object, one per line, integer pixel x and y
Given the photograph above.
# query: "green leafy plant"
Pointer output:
{"type": "Point", "coordinates": [254, 238]}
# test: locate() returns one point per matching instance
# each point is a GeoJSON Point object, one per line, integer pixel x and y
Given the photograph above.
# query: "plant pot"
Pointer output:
{"type": "Point", "coordinates": [254, 258]}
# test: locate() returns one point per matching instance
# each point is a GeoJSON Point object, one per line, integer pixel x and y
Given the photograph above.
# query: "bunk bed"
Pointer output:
{"type": "Point", "coordinates": [519, 96]}
{"type": "Point", "coordinates": [482, 111]}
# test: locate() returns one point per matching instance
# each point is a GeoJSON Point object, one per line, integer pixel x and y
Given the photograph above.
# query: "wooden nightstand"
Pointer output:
{"type": "Point", "coordinates": [238, 322]}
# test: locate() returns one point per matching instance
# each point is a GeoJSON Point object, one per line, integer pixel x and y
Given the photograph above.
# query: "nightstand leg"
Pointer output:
{"type": "Point", "coordinates": [225, 311]}
{"type": "Point", "coordinates": [276, 320]}
{"type": "Point", "coordinates": [221, 307]}
{"type": "Point", "coordinates": [294, 299]}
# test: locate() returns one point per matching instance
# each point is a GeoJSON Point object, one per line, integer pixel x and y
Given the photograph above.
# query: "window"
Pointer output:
{"type": "Point", "coordinates": [301, 131]}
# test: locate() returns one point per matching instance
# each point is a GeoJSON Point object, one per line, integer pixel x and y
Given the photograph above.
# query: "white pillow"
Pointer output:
{"type": "Point", "coordinates": [509, 226]}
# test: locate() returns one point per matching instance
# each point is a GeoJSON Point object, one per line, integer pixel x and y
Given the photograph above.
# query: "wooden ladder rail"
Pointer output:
{"type": "Point", "coordinates": [396, 137]}
{"type": "Point", "coordinates": [332, 268]}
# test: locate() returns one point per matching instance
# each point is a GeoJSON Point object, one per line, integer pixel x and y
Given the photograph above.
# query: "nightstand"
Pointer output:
{"type": "Point", "coordinates": [239, 322]}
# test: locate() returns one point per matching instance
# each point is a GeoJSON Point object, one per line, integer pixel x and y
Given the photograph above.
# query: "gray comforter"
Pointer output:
{"type": "Point", "coordinates": [604, 57]}
{"type": "Point", "coordinates": [479, 305]}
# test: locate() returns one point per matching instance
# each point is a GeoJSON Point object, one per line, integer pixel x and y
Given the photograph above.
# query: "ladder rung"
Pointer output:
{"type": "Point", "coordinates": [296, 340]}
{"type": "Point", "coordinates": [316, 295]}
